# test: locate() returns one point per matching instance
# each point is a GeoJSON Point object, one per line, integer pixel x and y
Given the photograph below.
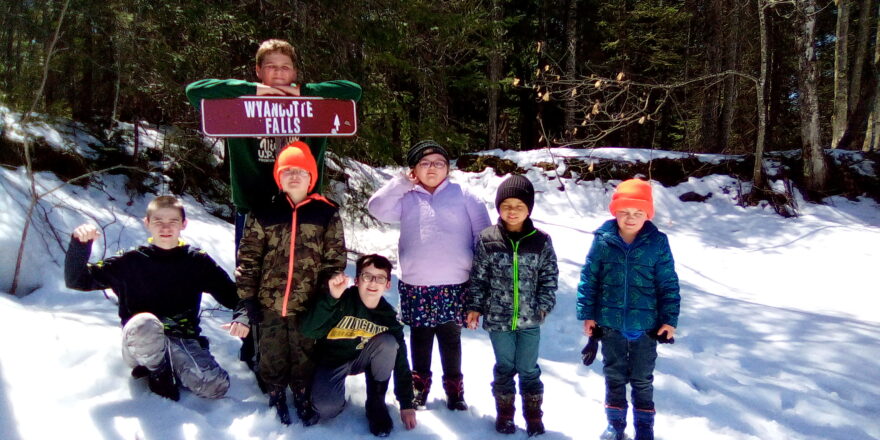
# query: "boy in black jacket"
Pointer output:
{"type": "Point", "coordinates": [160, 287]}
{"type": "Point", "coordinates": [358, 332]}
{"type": "Point", "coordinates": [513, 287]}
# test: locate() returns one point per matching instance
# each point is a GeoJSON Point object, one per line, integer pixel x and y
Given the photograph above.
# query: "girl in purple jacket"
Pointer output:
{"type": "Point", "coordinates": [439, 224]}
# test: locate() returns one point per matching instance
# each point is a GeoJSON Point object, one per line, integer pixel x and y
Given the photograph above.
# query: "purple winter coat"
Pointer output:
{"type": "Point", "coordinates": [437, 231]}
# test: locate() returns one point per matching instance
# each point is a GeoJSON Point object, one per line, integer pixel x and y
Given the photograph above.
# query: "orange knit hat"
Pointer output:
{"type": "Point", "coordinates": [633, 193]}
{"type": "Point", "coordinates": [296, 154]}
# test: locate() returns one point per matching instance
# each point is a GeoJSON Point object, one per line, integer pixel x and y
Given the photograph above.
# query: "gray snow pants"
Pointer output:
{"type": "Point", "coordinates": [328, 390]}
{"type": "Point", "coordinates": [144, 343]}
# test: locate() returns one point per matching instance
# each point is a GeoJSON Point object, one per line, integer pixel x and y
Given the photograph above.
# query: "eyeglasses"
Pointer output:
{"type": "Point", "coordinates": [439, 164]}
{"type": "Point", "coordinates": [298, 172]}
{"type": "Point", "coordinates": [369, 278]}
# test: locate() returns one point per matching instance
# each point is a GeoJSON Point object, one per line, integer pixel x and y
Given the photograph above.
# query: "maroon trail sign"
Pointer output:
{"type": "Point", "coordinates": [264, 116]}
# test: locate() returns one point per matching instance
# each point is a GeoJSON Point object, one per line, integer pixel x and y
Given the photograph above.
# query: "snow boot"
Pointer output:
{"type": "Point", "coordinates": [377, 412]}
{"type": "Point", "coordinates": [455, 393]}
{"type": "Point", "coordinates": [421, 387]}
{"type": "Point", "coordinates": [278, 399]}
{"type": "Point", "coordinates": [504, 405]}
{"type": "Point", "coordinates": [644, 421]}
{"type": "Point", "coordinates": [616, 424]}
{"type": "Point", "coordinates": [140, 372]}
{"type": "Point", "coordinates": [533, 414]}
{"type": "Point", "coordinates": [162, 381]}
{"type": "Point", "coordinates": [302, 402]}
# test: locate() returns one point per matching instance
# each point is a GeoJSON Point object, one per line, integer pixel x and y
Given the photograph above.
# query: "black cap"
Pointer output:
{"type": "Point", "coordinates": [422, 149]}
{"type": "Point", "coordinates": [516, 187]}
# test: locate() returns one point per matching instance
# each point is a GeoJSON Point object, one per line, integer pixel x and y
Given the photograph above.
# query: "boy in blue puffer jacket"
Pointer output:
{"type": "Point", "coordinates": [513, 286]}
{"type": "Point", "coordinates": [629, 291]}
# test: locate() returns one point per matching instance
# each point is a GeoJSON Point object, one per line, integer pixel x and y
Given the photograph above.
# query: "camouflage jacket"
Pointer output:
{"type": "Point", "coordinates": [513, 278]}
{"type": "Point", "coordinates": [279, 279]}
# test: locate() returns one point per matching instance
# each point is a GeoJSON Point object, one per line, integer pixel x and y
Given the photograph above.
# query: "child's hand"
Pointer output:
{"type": "Point", "coordinates": [291, 90]}
{"type": "Point", "coordinates": [337, 284]}
{"type": "Point", "coordinates": [473, 320]}
{"type": "Point", "coordinates": [264, 90]}
{"type": "Point", "coordinates": [668, 330]}
{"type": "Point", "coordinates": [236, 329]}
{"type": "Point", "coordinates": [86, 233]}
{"type": "Point", "coordinates": [589, 325]}
{"type": "Point", "coordinates": [408, 417]}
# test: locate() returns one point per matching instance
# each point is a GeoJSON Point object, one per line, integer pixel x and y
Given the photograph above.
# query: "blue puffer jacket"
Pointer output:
{"type": "Point", "coordinates": [513, 279]}
{"type": "Point", "coordinates": [629, 289]}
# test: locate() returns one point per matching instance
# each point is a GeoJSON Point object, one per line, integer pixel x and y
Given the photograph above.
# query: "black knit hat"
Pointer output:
{"type": "Point", "coordinates": [422, 149]}
{"type": "Point", "coordinates": [516, 187]}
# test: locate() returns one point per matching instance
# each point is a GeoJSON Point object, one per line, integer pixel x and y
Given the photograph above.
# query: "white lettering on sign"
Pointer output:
{"type": "Point", "coordinates": [279, 117]}
{"type": "Point", "coordinates": [282, 125]}
{"type": "Point", "coordinates": [265, 109]}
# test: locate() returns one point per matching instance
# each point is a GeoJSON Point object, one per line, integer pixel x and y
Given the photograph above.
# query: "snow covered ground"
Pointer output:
{"type": "Point", "coordinates": [779, 335]}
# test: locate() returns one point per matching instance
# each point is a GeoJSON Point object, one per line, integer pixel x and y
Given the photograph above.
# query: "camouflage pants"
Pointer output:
{"type": "Point", "coordinates": [144, 343]}
{"type": "Point", "coordinates": [285, 354]}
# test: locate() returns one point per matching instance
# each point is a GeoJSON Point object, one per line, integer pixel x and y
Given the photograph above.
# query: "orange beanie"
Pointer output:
{"type": "Point", "coordinates": [633, 193]}
{"type": "Point", "coordinates": [296, 154]}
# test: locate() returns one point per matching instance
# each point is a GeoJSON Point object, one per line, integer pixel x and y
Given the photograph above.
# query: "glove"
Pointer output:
{"type": "Point", "coordinates": [588, 354]}
{"type": "Point", "coordinates": [664, 339]}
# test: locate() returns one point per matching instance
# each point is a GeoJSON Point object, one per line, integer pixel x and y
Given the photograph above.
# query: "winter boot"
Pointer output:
{"type": "Point", "coordinates": [455, 393]}
{"type": "Point", "coordinates": [278, 399]}
{"type": "Point", "coordinates": [140, 372]}
{"type": "Point", "coordinates": [644, 421]}
{"type": "Point", "coordinates": [302, 401]}
{"type": "Point", "coordinates": [377, 412]}
{"type": "Point", "coordinates": [421, 387]}
{"type": "Point", "coordinates": [504, 405]}
{"type": "Point", "coordinates": [533, 414]}
{"type": "Point", "coordinates": [162, 381]}
{"type": "Point", "coordinates": [616, 423]}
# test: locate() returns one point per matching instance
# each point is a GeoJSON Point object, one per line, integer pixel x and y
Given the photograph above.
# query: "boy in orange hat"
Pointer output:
{"type": "Point", "coordinates": [629, 293]}
{"type": "Point", "coordinates": [287, 251]}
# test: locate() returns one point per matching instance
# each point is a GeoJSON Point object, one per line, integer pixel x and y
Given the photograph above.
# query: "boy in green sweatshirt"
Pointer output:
{"type": "Point", "coordinates": [358, 332]}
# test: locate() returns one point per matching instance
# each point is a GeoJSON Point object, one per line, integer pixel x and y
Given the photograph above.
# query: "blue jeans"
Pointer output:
{"type": "Point", "coordinates": [628, 362]}
{"type": "Point", "coordinates": [516, 352]}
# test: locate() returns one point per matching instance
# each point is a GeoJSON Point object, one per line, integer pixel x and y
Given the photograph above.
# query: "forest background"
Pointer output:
{"type": "Point", "coordinates": [703, 76]}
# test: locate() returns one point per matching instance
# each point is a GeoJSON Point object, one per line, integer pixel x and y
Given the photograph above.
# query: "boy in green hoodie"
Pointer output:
{"type": "Point", "coordinates": [358, 332]}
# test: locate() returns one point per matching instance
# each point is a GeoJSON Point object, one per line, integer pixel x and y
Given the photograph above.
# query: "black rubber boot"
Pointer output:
{"type": "Point", "coordinates": [377, 412]}
{"type": "Point", "coordinates": [302, 401]}
{"type": "Point", "coordinates": [278, 399]}
{"type": "Point", "coordinates": [162, 381]}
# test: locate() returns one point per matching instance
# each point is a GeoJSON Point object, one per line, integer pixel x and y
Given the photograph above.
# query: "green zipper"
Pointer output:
{"type": "Point", "coordinates": [516, 279]}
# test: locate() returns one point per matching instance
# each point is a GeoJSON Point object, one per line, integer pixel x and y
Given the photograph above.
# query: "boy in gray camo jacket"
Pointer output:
{"type": "Point", "coordinates": [513, 287]}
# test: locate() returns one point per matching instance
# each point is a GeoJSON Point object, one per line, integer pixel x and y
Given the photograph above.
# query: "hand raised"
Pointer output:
{"type": "Point", "coordinates": [337, 284]}
{"type": "Point", "coordinates": [86, 233]}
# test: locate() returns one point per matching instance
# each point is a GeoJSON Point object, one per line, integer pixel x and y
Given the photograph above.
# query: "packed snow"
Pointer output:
{"type": "Point", "coordinates": [778, 338]}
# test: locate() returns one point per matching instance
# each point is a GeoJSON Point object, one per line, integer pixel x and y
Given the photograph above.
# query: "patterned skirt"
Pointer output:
{"type": "Point", "coordinates": [430, 306]}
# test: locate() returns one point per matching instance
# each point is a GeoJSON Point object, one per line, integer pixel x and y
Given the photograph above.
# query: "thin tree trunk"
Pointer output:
{"type": "Point", "coordinates": [728, 111]}
{"type": "Point", "coordinates": [758, 171]}
{"type": "Point", "coordinates": [27, 152]}
{"type": "Point", "coordinates": [815, 172]}
{"type": "Point", "coordinates": [570, 67]}
{"type": "Point", "coordinates": [861, 55]}
{"type": "Point", "coordinates": [494, 74]}
{"type": "Point", "coordinates": [873, 135]}
{"type": "Point", "coordinates": [840, 113]}
{"type": "Point", "coordinates": [711, 112]}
